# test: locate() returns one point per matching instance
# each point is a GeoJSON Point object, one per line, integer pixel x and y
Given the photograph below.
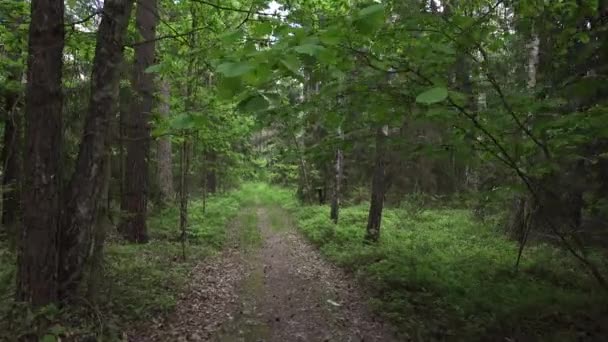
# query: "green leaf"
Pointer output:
{"type": "Point", "coordinates": [330, 37]}
{"type": "Point", "coordinates": [370, 19]}
{"type": "Point", "coordinates": [229, 87]}
{"type": "Point", "coordinates": [259, 76]}
{"type": "Point", "coordinates": [292, 63]}
{"type": "Point", "coordinates": [371, 10]}
{"type": "Point", "coordinates": [433, 95]}
{"type": "Point", "coordinates": [262, 29]}
{"type": "Point", "coordinates": [234, 69]}
{"type": "Point", "coordinates": [309, 49]}
{"type": "Point", "coordinates": [232, 36]}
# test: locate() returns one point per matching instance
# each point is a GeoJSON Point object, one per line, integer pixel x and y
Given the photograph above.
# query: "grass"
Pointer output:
{"type": "Point", "coordinates": [141, 282]}
{"type": "Point", "coordinates": [249, 235]}
{"type": "Point", "coordinates": [440, 274]}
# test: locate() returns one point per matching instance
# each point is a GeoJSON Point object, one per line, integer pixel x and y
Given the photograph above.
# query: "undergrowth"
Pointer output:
{"type": "Point", "coordinates": [440, 274]}
{"type": "Point", "coordinates": [437, 274]}
{"type": "Point", "coordinates": [141, 283]}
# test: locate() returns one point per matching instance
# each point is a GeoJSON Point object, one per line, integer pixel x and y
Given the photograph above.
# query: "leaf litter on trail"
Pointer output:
{"type": "Point", "coordinates": [210, 300]}
{"type": "Point", "coordinates": [282, 290]}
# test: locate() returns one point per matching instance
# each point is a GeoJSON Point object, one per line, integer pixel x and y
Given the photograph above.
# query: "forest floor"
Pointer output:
{"type": "Point", "coordinates": [269, 284]}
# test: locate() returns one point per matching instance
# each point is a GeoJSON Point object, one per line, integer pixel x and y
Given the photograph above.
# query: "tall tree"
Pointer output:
{"type": "Point", "coordinates": [84, 190]}
{"type": "Point", "coordinates": [135, 197]}
{"type": "Point", "coordinates": [37, 264]}
{"type": "Point", "coordinates": [337, 188]}
{"type": "Point", "coordinates": [379, 186]}
{"type": "Point", "coordinates": [164, 152]}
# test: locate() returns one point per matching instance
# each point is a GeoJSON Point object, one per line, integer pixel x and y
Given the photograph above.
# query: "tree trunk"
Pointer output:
{"type": "Point", "coordinates": [211, 172]}
{"type": "Point", "coordinates": [85, 187]}
{"type": "Point", "coordinates": [305, 187]}
{"type": "Point", "coordinates": [533, 58]}
{"type": "Point", "coordinates": [335, 198]}
{"type": "Point", "coordinates": [183, 193]}
{"type": "Point", "coordinates": [99, 237]}
{"type": "Point", "coordinates": [523, 214]}
{"type": "Point", "coordinates": [165, 154]}
{"type": "Point", "coordinates": [135, 200]}
{"type": "Point", "coordinates": [378, 187]}
{"type": "Point", "coordinates": [11, 155]}
{"type": "Point", "coordinates": [204, 189]}
{"type": "Point", "coordinates": [37, 260]}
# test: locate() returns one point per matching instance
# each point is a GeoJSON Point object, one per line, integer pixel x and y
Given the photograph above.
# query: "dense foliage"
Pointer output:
{"type": "Point", "coordinates": [453, 154]}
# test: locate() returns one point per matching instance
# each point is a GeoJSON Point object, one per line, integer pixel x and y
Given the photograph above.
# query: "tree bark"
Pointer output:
{"type": "Point", "coordinates": [374, 220]}
{"type": "Point", "coordinates": [183, 193]}
{"type": "Point", "coordinates": [525, 209]}
{"type": "Point", "coordinates": [335, 199]}
{"type": "Point", "coordinates": [99, 237]}
{"type": "Point", "coordinates": [164, 152]}
{"type": "Point", "coordinates": [85, 187]}
{"type": "Point", "coordinates": [37, 260]}
{"type": "Point", "coordinates": [135, 200]}
{"type": "Point", "coordinates": [305, 187]}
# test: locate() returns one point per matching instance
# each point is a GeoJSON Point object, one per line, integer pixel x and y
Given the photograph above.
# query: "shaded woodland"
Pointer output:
{"type": "Point", "coordinates": [452, 155]}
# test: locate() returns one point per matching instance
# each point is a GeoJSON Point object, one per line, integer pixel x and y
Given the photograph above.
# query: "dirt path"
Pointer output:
{"type": "Point", "coordinates": [271, 286]}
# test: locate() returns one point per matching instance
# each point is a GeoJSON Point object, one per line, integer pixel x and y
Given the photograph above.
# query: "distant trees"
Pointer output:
{"type": "Point", "coordinates": [164, 149]}
{"type": "Point", "coordinates": [497, 104]}
{"type": "Point", "coordinates": [135, 196]}
{"type": "Point", "coordinates": [13, 123]}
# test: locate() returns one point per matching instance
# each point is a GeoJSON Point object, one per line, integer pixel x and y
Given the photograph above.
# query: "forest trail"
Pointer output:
{"type": "Point", "coordinates": [269, 285]}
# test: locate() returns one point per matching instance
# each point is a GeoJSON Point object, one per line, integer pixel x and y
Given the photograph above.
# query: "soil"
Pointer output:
{"type": "Point", "coordinates": [269, 285]}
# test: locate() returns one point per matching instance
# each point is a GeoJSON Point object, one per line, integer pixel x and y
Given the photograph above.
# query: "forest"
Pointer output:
{"type": "Point", "coordinates": [304, 170]}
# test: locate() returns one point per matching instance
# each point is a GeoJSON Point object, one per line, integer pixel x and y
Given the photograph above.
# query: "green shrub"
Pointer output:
{"type": "Point", "coordinates": [439, 272]}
